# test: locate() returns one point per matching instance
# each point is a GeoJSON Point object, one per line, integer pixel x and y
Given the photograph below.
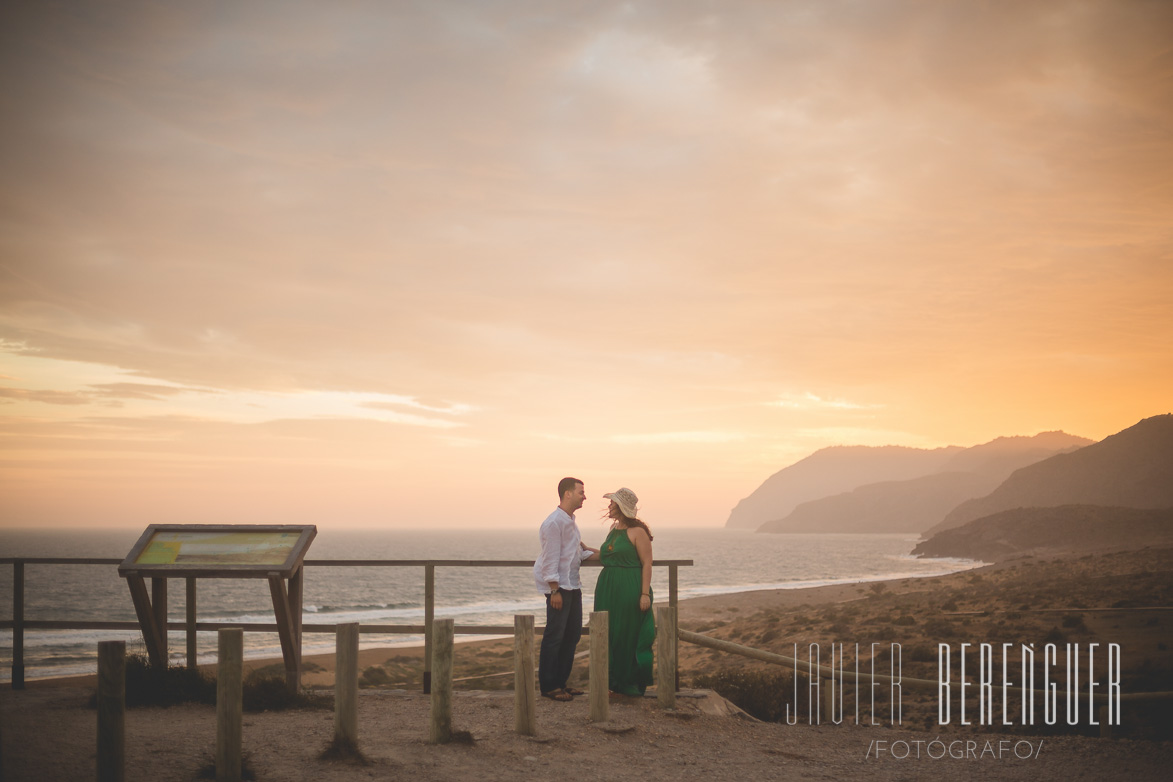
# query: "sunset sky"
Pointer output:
{"type": "Point", "coordinates": [408, 264]}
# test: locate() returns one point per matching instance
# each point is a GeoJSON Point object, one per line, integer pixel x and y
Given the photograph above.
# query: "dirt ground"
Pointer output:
{"type": "Point", "coordinates": [49, 735]}
{"type": "Point", "coordinates": [48, 732]}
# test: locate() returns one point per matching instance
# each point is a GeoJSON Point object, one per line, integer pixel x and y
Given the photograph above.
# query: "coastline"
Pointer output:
{"type": "Point", "coordinates": [1122, 597]}
{"type": "Point", "coordinates": [319, 667]}
{"type": "Point", "coordinates": [1125, 598]}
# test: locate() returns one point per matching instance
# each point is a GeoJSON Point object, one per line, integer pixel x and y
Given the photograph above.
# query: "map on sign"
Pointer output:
{"type": "Point", "coordinates": [193, 547]}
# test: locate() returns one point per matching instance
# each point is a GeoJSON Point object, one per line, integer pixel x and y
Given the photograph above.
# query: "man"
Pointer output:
{"type": "Point", "coordinates": [556, 576]}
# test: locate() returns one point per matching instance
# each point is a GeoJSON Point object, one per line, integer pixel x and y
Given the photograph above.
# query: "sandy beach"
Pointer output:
{"type": "Point", "coordinates": [1123, 597]}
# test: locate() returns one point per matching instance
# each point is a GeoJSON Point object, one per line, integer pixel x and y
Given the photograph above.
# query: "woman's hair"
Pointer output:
{"type": "Point", "coordinates": [619, 514]}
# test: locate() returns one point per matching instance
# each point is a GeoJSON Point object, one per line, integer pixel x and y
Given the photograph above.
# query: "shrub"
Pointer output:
{"type": "Point", "coordinates": [149, 685]}
{"type": "Point", "coordinates": [269, 693]}
{"type": "Point", "coordinates": [374, 676]}
{"type": "Point", "coordinates": [939, 628]}
{"type": "Point", "coordinates": [762, 694]}
{"type": "Point", "coordinates": [920, 653]}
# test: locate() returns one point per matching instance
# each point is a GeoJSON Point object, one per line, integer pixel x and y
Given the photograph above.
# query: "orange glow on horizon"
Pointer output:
{"type": "Point", "coordinates": [357, 267]}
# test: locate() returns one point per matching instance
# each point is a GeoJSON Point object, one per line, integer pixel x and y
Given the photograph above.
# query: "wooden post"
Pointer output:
{"type": "Point", "coordinates": [666, 651]}
{"type": "Point", "coordinates": [804, 690]}
{"type": "Point", "coordinates": [229, 693]}
{"type": "Point", "coordinates": [429, 622]}
{"type": "Point", "coordinates": [296, 583]}
{"type": "Point", "coordinates": [285, 631]}
{"type": "Point", "coordinates": [190, 607]}
{"type": "Point", "coordinates": [441, 716]}
{"type": "Point", "coordinates": [524, 693]}
{"type": "Point", "coordinates": [111, 711]}
{"type": "Point", "coordinates": [18, 625]}
{"type": "Point", "coordinates": [346, 686]}
{"type": "Point", "coordinates": [816, 705]}
{"type": "Point", "coordinates": [600, 683]}
{"type": "Point", "coordinates": [673, 599]}
{"type": "Point", "coordinates": [1105, 725]}
{"type": "Point", "coordinates": [159, 604]}
{"type": "Point", "coordinates": [156, 649]}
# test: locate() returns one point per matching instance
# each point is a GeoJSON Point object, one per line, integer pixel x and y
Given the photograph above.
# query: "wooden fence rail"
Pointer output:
{"type": "Point", "coordinates": [18, 624]}
{"type": "Point", "coordinates": [828, 674]}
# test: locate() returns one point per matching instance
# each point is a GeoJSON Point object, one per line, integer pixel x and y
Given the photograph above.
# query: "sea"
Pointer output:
{"type": "Point", "coordinates": [725, 561]}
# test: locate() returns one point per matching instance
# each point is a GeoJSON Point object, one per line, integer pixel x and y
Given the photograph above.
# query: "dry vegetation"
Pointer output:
{"type": "Point", "coordinates": [47, 730]}
{"type": "Point", "coordinates": [1121, 597]}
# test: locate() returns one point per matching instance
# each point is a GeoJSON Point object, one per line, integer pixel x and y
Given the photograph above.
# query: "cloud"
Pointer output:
{"type": "Point", "coordinates": [151, 391]}
{"type": "Point", "coordinates": [809, 401]}
{"type": "Point", "coordinates": [451, 409]}
{"type": "Point", "coordinates": [858, 435]}
{"type": "Point", "coordinates": [47, 396]}
{"type": "Point", "coordinates": [632, 220]}
{"type": "Point", "coordinates": [678, 437]}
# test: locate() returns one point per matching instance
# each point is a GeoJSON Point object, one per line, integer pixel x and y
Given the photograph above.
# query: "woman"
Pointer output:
{"type": "Point", "coordinates": [624, 590]}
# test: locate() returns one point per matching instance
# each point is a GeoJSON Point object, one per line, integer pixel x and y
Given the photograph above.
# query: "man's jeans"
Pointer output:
{"type": "Point", "coordinates": [563, 629]}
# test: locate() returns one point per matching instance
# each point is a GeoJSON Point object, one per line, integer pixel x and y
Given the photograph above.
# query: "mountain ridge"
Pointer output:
{"type": "Point", "coordinates": [832, 470]}
{"type": "Point", "coordinates": [915, 503]}
{"type": "Point", "coordinates": [1132, 468]}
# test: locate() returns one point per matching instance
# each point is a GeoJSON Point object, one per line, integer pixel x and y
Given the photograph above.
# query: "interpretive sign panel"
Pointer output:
{"type": "Point", "coordinates": [218, 550]}
{"type": "Point", "coordinates": [192, 551]}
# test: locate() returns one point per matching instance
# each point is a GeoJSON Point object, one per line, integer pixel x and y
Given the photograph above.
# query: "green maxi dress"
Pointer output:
{"type": "Point", "coordinates": [632, 632]}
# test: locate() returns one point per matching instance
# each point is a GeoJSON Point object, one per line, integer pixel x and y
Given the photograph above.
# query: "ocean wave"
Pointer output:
{"type": "Point", "coordinates": [725, 562]}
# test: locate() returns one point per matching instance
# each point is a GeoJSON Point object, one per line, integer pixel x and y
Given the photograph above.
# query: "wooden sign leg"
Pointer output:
{"type": "Point", "coordinates": [146, 620]}
{"type": "Point", "coordinates": [284, 630]}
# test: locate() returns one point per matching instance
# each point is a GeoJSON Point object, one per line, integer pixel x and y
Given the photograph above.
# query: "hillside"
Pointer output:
{"type": "Point", "coordinates": [891, 506]}
{"type": "Point", "coordinates": [1130, 469]}
{"type": "Point", "coordinates": [1063, 529]}
{"type": "Point", "coordinates": [918, 503]}
{"type": "Point", "coordinates": [834, 471]}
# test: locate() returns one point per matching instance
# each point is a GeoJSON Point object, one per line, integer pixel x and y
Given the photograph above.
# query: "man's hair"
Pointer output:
{"type": "Point", "coordinates": [565, 485]}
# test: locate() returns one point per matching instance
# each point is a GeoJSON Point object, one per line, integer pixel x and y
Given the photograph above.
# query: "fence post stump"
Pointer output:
{"type": "Point", "coordinates": [1105, 725]}
{"type": "Point", "coordinates": [830, 687]}
{"type": "Point", "coordinates": [666, 652]}
{"type": "Point", "coordinates": [111, 711]}
{"type": "Point", "coordinates": [440, 731]}
{"type": "Point", "coordinates": [524, 697]}
{"type": "Point", "coordinates": [600, 684]}
{"type": "Point", "coordinates": [229, 694]}
{"type": "Point", "coordinates": [346, 686]}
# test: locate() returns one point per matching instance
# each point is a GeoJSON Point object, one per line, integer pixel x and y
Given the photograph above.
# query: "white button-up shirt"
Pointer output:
{"type": "Point", "coordinates": [561, 553]}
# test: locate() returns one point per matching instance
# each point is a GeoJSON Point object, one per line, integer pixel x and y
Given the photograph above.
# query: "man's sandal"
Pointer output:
{"type": "Point", "coordinates": [558, 695]}
{"type": "Point", "coordinates": [573, 691]}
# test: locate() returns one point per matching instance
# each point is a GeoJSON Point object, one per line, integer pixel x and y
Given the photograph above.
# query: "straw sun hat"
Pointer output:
{"type": "Point", "coordinates": [626, 500]}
